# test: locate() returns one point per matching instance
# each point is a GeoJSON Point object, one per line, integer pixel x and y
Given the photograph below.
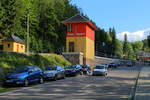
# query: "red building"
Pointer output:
{"type": "Point", "coordinates": [80, 36]}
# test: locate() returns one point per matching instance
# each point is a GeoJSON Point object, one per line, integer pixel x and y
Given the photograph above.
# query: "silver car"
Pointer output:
{"type": "Point", "coordinates": [100, 70]}
{"type": "Point", "coordinates": [54, 72]}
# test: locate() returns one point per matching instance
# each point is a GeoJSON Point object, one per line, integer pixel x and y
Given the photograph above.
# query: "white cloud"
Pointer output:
{"type": "Point", "coordinates": [134, 36]}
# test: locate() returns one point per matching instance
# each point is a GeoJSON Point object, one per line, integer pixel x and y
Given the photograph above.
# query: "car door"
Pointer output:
{"type": "Point", "coordinates": [37, 73]}
{"type": "Point", "coordinates": [31, 75]}
{"type": "Point", "coordinates": [59, 72]}
{"type": "Point", "coordinates": [62, 71]}
{"type": "Point", "coordinates": [78, 68]}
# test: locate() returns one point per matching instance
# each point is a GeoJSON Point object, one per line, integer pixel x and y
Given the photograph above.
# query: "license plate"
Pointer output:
{"type": "Point", "coordinates": [8, 80]}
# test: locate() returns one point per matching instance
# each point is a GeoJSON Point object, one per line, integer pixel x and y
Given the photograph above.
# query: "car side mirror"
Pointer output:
{"type": "Point", "coordinates": [59, 70]}
{"type": "Point", "coordinates": [30, 72]}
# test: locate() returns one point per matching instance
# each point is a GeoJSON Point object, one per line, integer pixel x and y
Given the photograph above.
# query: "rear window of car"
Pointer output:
{"type": "Point", "coordinates": [99, 67]}
{"type": "Point", "coordinates": [70, 67]}
{"type": "Point", "coordinates": [85, 66]}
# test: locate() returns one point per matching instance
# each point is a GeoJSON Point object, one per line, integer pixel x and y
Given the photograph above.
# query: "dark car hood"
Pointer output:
{"type": "Point", "coordinates": [17, 74]}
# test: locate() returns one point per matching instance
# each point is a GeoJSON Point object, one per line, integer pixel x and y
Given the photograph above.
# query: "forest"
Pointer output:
{"type": "Point", "coordinates": [47, 33]}
{"type": "Point", "coordinates": [108, 45]}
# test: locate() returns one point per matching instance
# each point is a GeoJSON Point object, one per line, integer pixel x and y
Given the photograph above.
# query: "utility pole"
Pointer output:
{"type": "Point", "coordinates": [28, 27]}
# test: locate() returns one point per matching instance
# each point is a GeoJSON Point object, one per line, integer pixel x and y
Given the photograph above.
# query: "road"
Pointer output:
{"type": "Point", "coordinates": [116, 86]}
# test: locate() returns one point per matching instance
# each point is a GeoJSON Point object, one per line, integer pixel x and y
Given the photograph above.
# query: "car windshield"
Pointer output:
{"type": "Point", "coordinates": [50, 68]}
{"type": "Point", "coordinates": [99, 67]}
{"type": "Point", "coordinates": [84, 66]}
{"type": "Point", "coordinates": [21, 70]}
{"type": "Point", "coordinates": [70, 67]}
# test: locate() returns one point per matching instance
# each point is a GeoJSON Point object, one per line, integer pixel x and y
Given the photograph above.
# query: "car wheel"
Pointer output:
{"type": "Point", "coordinates": [26, 82]}
{"type": "Point", "coordinates": [55, 78]}
{"type": "Point", "coordinates": [105, 74]}
{"type": "Point", "coordinates": [64, 76]}
{"type": "Point", "coordinates": [93, 74]}
{"type": "Point", "coordinates": [88, 72]}
{"type": "Point", "coordinates": [41, 80]}
{"type": "Point", "coordinates": [81, 73]}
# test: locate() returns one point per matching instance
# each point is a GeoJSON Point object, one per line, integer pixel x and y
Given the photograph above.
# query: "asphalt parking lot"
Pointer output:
{"type": "Point", "coordinates": [116, 86]}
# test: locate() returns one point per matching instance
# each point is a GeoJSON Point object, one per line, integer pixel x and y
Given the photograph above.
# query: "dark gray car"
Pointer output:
{"type": "Point", "coordinates": [54, 72]}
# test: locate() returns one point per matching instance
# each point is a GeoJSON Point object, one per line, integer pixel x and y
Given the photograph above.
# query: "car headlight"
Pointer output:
{"type": "Point", "coordinates": [20, 77]}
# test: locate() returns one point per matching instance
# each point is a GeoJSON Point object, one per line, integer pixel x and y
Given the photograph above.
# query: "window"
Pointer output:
{"type": "Point", "coordinates": [22, 46]}
{"type": "Point", "coordinates": [71, 46]}
{"type": "Point", "coordinates": [8, 45]}
{"type": "Point", "coordinates": [1, 47]}
{"type": "Point", "coordinates": [69, 28]}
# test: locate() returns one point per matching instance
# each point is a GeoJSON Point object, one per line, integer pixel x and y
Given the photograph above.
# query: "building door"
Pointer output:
{"type": "Point", "coordinates": [17, 48]}
{"type": "Point", "coordinates": [71, 47]}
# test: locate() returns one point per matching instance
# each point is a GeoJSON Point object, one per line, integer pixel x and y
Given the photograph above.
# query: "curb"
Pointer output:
{"type": "Point", "coordinates": [134, 88]}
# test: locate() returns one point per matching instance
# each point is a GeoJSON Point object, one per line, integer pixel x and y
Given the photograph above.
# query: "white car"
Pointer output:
{"type": "Point", "coordinates": [100, 70]}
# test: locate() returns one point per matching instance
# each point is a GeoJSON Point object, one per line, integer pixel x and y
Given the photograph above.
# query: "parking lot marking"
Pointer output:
{"type": "Point", "coordinates": [86, 86]}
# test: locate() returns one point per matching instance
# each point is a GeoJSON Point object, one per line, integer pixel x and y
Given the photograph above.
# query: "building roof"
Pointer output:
{"type": "Point", "coordinates": [79, 18]}
{"type": "Point", "coordinates": [14, 38]}
{"type": "Point", "coordinates": [76, 18]}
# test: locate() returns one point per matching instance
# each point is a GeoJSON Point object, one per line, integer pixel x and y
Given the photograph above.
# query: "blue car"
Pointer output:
{"type": "Point", "coordinates": [25, 75]}
{"type": "Point", "coordinates": [54, 72]}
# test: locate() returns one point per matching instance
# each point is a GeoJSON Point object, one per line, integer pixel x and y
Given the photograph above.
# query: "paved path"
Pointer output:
{"type": "Point", "coordinates": [116, 86]}
{"type": "Point", "coordinates": [143, 86]}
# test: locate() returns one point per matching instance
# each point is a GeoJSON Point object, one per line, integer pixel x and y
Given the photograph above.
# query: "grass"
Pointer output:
{"type": "Point", "coordinates": [5, 89]}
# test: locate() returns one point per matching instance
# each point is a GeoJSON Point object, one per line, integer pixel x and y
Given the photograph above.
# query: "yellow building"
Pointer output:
{"type": "Point", "coordinates": [13, 44]}
{"type": "Point", "coordinates": [80, 36]}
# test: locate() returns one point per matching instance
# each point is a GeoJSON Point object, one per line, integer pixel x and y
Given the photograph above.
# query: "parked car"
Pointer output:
{"type": "Point", "coordinates": [106, 65]}
{"type": "Point", "coordinates": [25, 75]}
{"type": "Point", "coordinates": [73, 70]}
{"type": "Point", "coordinates": [112, 65]}
{"type": "Point", "coordinates": [54, 72]}
{"type": "Point", "coordinates": [129, 64]}
{"type": "Point", "coordinates": [86, 69]}
{"type": "Point", "coordinates": [100, 70]}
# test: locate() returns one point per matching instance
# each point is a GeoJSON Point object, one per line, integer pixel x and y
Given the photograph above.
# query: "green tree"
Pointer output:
{"type": "Point", "coordinates": [9, 12]}
{"type": "Point", "coordinates": [130, 52]}
{"type": "Point", "coordinates": [145, 47]}
{"type": "Point", "coordinates": [125, 45]}
{"type": "Point", "coordinates": [119, 48]}
{"type": "Point", "coordinates": [102, 40]}
{"type": "Point", "coordinates": [137, 47]}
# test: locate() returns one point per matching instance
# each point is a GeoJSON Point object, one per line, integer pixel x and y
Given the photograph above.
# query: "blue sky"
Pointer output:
{"type": "Point", "coordinates": [125, 15]}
